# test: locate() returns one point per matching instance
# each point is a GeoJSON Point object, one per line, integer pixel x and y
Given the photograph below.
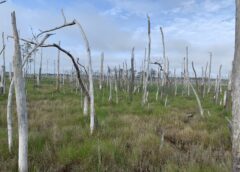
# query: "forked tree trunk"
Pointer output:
{"type": "Point", "coordinates": [20, 101]}
{"type": "Point", "coordinates": [236, 95]}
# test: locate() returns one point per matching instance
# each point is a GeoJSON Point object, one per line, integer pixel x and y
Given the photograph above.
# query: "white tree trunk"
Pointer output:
{"type": "Point", "coordinates": [101, 72]}
{"type": "Point", "coordinates": [9, 116]}
{"type": "Point", "coordinates": [20, 101]}
{"type": "Point", "coordinates": [144, 99]}
{"type": "Point", "coordinates": [90, 79]}
{"type": "Point", "coordinates": [85, 106]}
{"type": "Point", "coordinates": [58, 70]}
{"type": "Point", "coordinates": [236, 95]}
{"type": "Point", "coordinates": [4, 67]}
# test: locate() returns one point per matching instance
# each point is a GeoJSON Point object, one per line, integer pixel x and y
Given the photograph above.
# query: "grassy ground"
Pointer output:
{"type": "Point", "coordinates": [128, 137]}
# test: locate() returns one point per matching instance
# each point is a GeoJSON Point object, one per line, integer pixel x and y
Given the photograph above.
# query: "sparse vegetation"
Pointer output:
{"type": "Point", "coordinates": [129, 137]}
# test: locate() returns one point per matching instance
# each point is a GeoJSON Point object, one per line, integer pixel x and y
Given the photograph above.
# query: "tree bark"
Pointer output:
{"type": "Point", "coordinates": [20, 101]}
{"type": "Point", "coordinates": [144, 99]}
{"type": "Point", "coordinates": [4, 65]}
{"type": "Point", "coordinates": [58, 70]}
{"type": "Point", "coordinates": [9, 116]}
{"type": "Point", "coordinates": [132, 76]}
{"type": "Point", "coordinates": [236, 95]}
{"type": "Point", "coordinates": [101, 72]}
{"type": "Point", "coordinates": [90, 78]}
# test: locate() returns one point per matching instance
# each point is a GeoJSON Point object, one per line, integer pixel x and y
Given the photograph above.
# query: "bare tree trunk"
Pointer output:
{"type": "Point", "coordinates": [195, 73]}
{"type": "Point", "coordinates": [4, 65]}
{"type": "Point", "coordinates": [20, 101]}
{"type": "Point", "coordinates": [85, 106]}
{"type": "Point", "coordinates": [218, 85]}
{"type": "Point", "coordinates": [90, 78]}
{"type": "Point", "coordinates": [204, 80]}
{"type": "Point", "coordinates": [10, 71]}
{"type": "Point", "coordinates": [132, 76]}
{"type": "Point", "coordinates": [40, 69]}
{"type": "Point", "coordinates": [209, 73]}
{"type": "Point", "coordinates": [101, 73]}
{"type": "Point", "coordinates": [9, 116]}
{"type": "Point", "coordinates": [164, 59]}
{"type": "Point", "coordinates": [58, 70]}
{"type": "Point", "coordinates": [236, 95]}
{"type": "Point", "coordinates": [187, 72]}
{"type": "Point", "coordinates": [144, 99]}
{"type": "Point", "coordinates": [116, 86]}
{"type": "Point", "coordinates": [197, 98]}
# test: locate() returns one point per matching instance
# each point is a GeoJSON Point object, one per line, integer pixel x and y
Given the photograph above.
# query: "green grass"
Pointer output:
{"type": "Point", "coordinates": [127, 137]}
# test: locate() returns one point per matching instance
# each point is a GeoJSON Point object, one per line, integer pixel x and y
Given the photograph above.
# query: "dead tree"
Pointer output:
{"type": "Point", "coordinates": [236, 95]}
{"type": "Point", "coordinates": [20, 101]}
{"type": "Point", "coordinates": [4, 65]}
{"type": "Point", "coordinates": [101, 71]}
{"type": "Point", "coordinates": [116, 85]}
{"type": "Point", "coordinates": [218, 85]}
{"type": "Point", "coordinates": [209, 73]}
{"type": "Point", "coordinates": [195, 73]}
{"type": "Point", "coordinates": [40, 68]}
{"type": "Point", "coordinates": [132, 76]}
{"type": "Point", "coordinates": [165, 72]}
{"type": "Point", "coordinates": [110, 84]}
{"type": "Point", "coordinates": [187, 72]}
{"type": "Point", "coordinates": [144, 98]}
{"type": "Point", "coordinates": [90, 78]}
{"type": "Point", "coordinates": [58, 69]}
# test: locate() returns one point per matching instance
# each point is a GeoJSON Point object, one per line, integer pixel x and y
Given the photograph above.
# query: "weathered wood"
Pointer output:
{"type": "Point", "coordinates": [144, 98]}
{"type": "Point", "coordinates": [20, 101]}
{"type": "Point", "coordinates": [90, 78]}
{"type": "Point", "coordinates": [132, 76]}
{"type": "Point", "coordinates": [236, 95]}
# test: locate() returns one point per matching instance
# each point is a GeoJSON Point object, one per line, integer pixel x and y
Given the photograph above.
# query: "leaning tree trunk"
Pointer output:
{"type": "Point", "coordinates": [236, 95]}
{"type": "Point", "coordinates": [20, 101]}
{"type": "Point", "coordinates": [90, 78]}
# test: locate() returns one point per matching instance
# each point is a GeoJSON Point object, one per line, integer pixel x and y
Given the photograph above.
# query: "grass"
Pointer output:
{"type": "Point", "coordinates": [128, 136]}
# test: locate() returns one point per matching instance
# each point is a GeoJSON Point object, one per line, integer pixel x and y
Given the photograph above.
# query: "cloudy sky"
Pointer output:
{"type": "Point", "coordinates": [115, 26]}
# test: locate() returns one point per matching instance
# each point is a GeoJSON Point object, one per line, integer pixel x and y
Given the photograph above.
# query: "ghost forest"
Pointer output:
{"type": "Point", "coordinates": [120, 118]}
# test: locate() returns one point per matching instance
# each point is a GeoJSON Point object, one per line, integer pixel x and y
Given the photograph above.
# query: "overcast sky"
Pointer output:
{"type": "Point", "coordinates": [115, 26]}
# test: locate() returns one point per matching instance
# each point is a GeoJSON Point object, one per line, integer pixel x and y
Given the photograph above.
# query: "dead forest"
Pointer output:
{"type": "Point", "coordinates": [118, 118]}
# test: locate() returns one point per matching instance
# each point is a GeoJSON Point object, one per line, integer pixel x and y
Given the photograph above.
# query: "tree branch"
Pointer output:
{"type": "Point", "coordinates": [56, 28]}
{"type": "Point", "coordinates": [1, 2]}
{"type": "Point", "coordinates": [2, 49]}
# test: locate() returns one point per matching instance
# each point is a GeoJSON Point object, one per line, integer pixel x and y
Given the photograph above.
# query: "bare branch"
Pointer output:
{"type": "Point", "coordinates": [2, 49]}
{"type": "Point", "coordinates": [35, 48]}
{"type": "Point", "coordinates": [56, 28]}
{"type": "Point", "coordinates": [1, 2]}
{"type": "Point", "coordinates": [82, 66]}
{"type": "Point", "coordinates": [159, 64]}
